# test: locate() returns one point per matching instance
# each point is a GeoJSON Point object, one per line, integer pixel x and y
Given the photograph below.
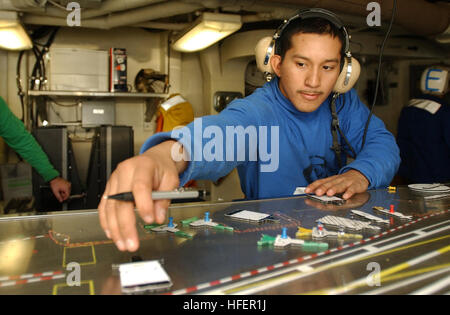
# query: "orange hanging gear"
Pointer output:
{"type": "Point", "coordinates": [175, 112]}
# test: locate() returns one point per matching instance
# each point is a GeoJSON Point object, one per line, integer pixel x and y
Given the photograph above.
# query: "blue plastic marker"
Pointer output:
{"type": "Point", "coordinates": [206, 217]}
{"type": "Point", "coordinates": [284, 233]}
{"type": "Point", "coordinates": [170, 222]}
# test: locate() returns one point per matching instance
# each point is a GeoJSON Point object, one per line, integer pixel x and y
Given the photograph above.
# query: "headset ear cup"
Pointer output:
{"type": "Point", "coordinates": [263, 52]}
{"type": "Point", "coordinates": [341, 86]}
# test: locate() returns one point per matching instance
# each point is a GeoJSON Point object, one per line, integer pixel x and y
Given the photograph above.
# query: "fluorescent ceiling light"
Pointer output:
{"type": "Point", "coordinates": [208, 29]}
{"type": "Point", "coordinates": [12, 34]}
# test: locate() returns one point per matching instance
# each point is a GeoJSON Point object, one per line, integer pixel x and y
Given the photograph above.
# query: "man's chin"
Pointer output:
{"type": "Point", "coordinates": [307, 107]}
{"type": "Point", "coordinates": [304, 104]}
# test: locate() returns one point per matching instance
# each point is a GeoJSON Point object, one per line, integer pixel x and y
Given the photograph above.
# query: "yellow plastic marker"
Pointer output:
{"type": "Point", "coordinates": [302, 232]}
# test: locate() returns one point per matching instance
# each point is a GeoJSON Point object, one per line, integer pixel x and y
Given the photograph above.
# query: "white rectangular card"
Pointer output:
{"type": "Point", "coordinates": [299, 191]}
{"type": "Point", "coordinates": [142, 273]}
{"type": "Point", "coordinates": [249, 215]}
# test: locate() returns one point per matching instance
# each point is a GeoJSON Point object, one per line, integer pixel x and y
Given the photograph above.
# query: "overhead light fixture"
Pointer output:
{"type": "Point", "coordinates": [208, 29]}
{"type": "Point", "coordinates": [12, 34]}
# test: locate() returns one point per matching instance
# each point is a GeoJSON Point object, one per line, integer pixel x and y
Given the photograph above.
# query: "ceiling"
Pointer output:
{"type": "Point", "coordinates": [415, 18]}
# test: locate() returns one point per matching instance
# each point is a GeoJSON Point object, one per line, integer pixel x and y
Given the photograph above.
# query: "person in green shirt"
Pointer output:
{"type": "Point", "coordinates": [18, 138]}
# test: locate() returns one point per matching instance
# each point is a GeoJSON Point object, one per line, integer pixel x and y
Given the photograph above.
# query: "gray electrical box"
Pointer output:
{"type": "Point", "coordinates": [98, 113]}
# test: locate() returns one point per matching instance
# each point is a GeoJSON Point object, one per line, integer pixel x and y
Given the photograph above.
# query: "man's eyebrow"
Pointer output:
{"type": "Point", "coordinates": [306, 58]}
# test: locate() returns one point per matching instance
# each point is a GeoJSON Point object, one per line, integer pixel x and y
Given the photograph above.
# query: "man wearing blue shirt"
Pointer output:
{"type": "Point", "coordinates": [278, 138]}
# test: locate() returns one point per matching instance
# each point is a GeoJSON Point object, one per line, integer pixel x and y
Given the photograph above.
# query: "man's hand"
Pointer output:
{"type": "Point", "coordinates": [60, 188]}
{"type": "Point", "coordinates": [155, 169]}
{"type": "Point", "coordinates": [348, 183]}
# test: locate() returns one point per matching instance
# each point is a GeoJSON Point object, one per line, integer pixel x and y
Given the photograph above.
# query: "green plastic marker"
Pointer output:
{"type": "Point", "coordinates": [266, 240]}
{"type": "Point", "coordinates": [151, 226]}
{"type": "Point", "coordinates": [223, 227]}
{"type": "Point", "coordinates": [190, 220]}
{"type": "Point", "coordinates": [314, 247]}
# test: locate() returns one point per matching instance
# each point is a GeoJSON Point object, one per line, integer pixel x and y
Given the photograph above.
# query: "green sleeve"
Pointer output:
{"type": "Point", "coordinates": [18, 138]}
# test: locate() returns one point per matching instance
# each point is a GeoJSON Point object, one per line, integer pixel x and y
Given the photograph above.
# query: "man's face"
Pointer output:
{"type": "Point", "coordinates": [309, 69]}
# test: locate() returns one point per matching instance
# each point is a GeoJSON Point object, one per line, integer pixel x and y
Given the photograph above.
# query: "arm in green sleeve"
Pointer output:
{"type": "Point", "coordinates": [17, 137]}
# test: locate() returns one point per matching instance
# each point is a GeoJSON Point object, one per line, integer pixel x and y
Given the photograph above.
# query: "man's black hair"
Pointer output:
{"type": "Point", "coordinates": [314, 25]}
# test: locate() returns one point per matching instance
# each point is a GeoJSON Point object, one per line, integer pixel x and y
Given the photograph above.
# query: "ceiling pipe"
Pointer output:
{"type": "Point", "coordinates": [107, 7]}
{"type": "Point", "coordinates": [149, 13]}
{"type": "Point", "coordinates": [276, 10]}
{"type": "Point", "coordinates": [112, 6]}
{"type": "Point", "coordinates": [417, 16]}
{"type": "Point", "coordinates": [163, 26]}
{"type": "Point", "coordinates": [52, 21]}
{"type": "Point", "coordinates": [17, 5]}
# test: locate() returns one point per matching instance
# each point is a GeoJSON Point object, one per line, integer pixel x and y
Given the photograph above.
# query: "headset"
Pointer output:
{"type": "Point", "coordinates": [268, 46]}
{"type": "Point", "coordinates": [435, 80]}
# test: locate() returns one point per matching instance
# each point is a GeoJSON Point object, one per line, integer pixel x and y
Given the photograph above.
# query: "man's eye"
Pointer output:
{"type": "Point", "coordinates": [300, 64]}
{"type": "Point", "coordinates": [328, 67]}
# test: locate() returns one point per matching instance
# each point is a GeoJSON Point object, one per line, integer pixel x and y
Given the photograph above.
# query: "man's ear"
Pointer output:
{"type": "Point", "coordinates": [275, 62]}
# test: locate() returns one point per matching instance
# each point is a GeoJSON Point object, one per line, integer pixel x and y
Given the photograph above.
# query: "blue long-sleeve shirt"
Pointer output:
{"type": "Point", "coordinates": [288, 148]}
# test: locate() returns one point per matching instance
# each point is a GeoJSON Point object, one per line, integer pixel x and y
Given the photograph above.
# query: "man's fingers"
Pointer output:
{"type": "Point", "coordinates": [168, 182]}
{"type": "Point", "coordinates": [127, 179]}
{"type": "Point", "coordinates": [330, 186]}
{"type": "Point", "coordinates": [320, 186]}
{"type": "Point", "coordinates": [312, 187]}
{"type": "Point", "coordinates": [142, 192]}
{"type": "Point", "coordinates": [64, 195]}
{"type": "Point", "coordinates": [111, 216]}
{"type": "Point", "coordinates": [102, 217]}
{"type": "Point", "coordinates": [349, 192]}
{"type": "Point", "coordinates": [102, 211]}
{"type": "Point", "coordinates": [113, 225]}
{"type": "Point", "coordinates": [349, 183]}
{"type": "Point", "coordinates": [127, 225]}
{"type": "Point", "coordinates": [337, 187]}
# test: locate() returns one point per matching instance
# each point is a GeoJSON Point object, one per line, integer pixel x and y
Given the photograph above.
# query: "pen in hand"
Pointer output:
{"type": "Point", "coordinates": [158, 195]}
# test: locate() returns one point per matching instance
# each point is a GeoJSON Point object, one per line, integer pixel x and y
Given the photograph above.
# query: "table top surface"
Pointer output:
{"type": "Point", "coordinates": [409, 256]}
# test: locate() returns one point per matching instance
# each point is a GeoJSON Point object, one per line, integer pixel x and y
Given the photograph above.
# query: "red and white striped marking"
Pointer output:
{"type": "Point", "coordinates": [302, 259]}
{"type": "Point", "coordinates": [31, 278]}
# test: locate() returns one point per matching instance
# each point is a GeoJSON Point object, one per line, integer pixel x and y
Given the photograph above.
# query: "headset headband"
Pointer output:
{"type": "Point", "coordinates": [314, 13]}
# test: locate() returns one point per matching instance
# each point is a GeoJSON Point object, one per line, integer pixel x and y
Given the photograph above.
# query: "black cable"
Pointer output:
{"type": "Point", "coordinates": [336, 130]}
{"type": "Point", "coordinates": [394, 10]}
{"type": "Point", "coordinates": [39, 65]}
{"type": "Point", "coordinates": [39, 54]}
{"type": "Point", "coordinates": [347, 142]}
{"type": "Point", "coordinates": [19, 84]}
{"type": "Point", "coordinates": [37, 69]}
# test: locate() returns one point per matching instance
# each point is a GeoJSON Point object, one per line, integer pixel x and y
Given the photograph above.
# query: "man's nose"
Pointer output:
{"type": "Point", "coordinates": [313, 78]}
